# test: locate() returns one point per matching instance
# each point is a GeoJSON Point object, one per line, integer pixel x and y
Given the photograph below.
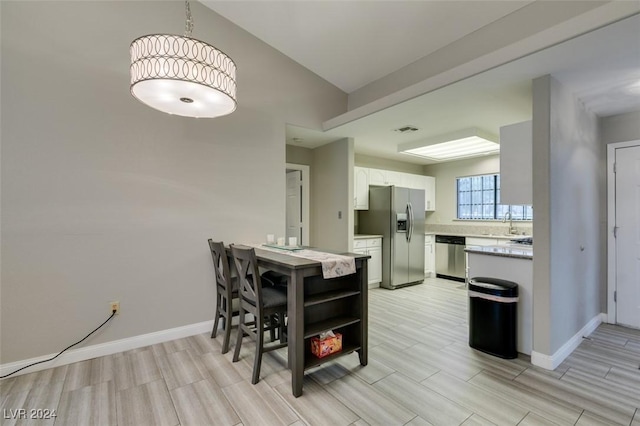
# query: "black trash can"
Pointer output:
{"type": "Point", "coordinates": [493, 316]}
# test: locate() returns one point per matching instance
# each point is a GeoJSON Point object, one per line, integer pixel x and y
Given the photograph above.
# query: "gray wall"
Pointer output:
{"type": "Point", "coordinates": [299, 155]}
{"type": "Point", "coordinates": [331, 188]}
{"type": "Point", "coordinates": [620, 128]}
{"type": "Point", "coordinates": [494, 40]}
{"type": "Point", "coordinates": [616, 128]}
{"type": "Point", "coordinates": [106, 199]}
{"type": "Point", "coordinates": [568, 179]}
{"type": "Point", "coordinates": [446, 191]}
{"type": "Point", "coordinates": [386, 164]}
{"type": "Point", "coordinates": [332, 194]}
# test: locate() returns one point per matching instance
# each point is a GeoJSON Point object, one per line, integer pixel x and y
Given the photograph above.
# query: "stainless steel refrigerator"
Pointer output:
{"type": "Point", "coordinates": [398, 215]}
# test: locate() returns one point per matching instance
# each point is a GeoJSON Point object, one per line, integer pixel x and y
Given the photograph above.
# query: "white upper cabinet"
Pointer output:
{"type": "Point", "coordinates": [395, 178]}
{"type": "Point", "coordinates": [361, 188]}
{"type": "Point", "coordinates": [516, 171]}
{"type": "Point", "coordinates": [429, 193]}
{"type": "Point", "coordinates": [415, 181]}
{"type": "Point", "coordinates": [379, 177]}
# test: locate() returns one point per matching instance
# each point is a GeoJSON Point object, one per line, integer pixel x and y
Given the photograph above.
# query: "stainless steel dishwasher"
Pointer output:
{"type": "Point", "coordinates": [450, 257]}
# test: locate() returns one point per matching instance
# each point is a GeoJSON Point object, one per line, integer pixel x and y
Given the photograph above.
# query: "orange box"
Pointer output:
{"type": "Point", "coordinates": [327, 346]}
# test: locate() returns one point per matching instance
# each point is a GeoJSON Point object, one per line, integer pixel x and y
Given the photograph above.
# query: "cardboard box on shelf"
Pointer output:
{"type": "Point", "coordinates": [326, 346]}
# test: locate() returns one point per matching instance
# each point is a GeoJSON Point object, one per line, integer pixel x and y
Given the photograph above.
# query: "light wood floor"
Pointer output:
{"type": "Point", "coordinates": [421, 371]}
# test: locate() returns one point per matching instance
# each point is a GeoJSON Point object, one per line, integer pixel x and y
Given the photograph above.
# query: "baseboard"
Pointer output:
{"type": "Point", "coordinates": [551, 362]}
{"type": "Point", "coordinates": [108, 348]}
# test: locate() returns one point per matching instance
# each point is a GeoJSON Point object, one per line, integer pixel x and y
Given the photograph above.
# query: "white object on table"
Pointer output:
{"type": "Point", "coordinates": [293, 241]}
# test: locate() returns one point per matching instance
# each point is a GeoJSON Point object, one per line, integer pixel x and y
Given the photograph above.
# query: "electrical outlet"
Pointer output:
{"type": "Point", "coordinates": [114, 306]}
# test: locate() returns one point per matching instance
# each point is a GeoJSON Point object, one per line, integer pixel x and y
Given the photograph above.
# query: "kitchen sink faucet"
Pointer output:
{"type": "Point", "coordinates": [512, 230]}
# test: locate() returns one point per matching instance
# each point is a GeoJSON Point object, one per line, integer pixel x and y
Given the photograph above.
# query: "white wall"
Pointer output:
{"type": "Point", "coordinates": [106, 199]}
{"type": "Point", "coordinates": [568, 179]}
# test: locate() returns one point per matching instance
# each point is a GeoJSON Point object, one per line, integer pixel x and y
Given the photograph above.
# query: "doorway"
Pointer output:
{"type": "Point", "coordinates": [623, 241]}
{"type": "Point", "coordinates": [297, 207]}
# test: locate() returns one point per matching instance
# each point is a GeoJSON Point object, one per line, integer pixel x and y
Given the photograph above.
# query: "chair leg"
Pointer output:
{"type": "Point", "coordinates": [227, 337]}
{"type": "Point", "coordinates": [272, 330]}
{"type": "Point", "coordinates": [225, 309]}
{"type": "Point", "coordinates": [214, 332]}
{"type": "Point", "coordinates": [281, 326]}
{"type": "Point", "coordinates": [236, 352]}
{"type": "Point", "coordinates": [226, 321]}
{"type": "Point", "coordinates": [259, 347]}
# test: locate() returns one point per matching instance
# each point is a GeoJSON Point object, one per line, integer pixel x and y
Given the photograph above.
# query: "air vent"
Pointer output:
{"type": "Point", "coordinates": [406, 129]}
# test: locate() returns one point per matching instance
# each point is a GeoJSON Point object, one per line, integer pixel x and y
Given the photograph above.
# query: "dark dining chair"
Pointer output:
{"type": "Point", "coordinates": [226, 293]}
{"type": "Point", "coordinates": [262, 302]}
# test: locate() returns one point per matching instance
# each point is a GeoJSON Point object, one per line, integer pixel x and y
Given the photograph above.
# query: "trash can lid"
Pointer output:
{"type": "Point", "coordinates": [493, 286]}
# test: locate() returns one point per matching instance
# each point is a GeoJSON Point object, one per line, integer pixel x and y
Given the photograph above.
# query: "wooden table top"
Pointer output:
{"type": "Point", "coordinates": [284, 259]}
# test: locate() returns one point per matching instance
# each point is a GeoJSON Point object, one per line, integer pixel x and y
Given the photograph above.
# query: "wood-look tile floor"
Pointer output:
{"type": "Point", "coordinates": [421, 371]}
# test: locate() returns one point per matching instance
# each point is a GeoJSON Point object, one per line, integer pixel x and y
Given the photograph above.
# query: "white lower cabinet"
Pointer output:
{"type": "Point", "coordinates": [375, 265]}
{"type": "Point", "coordinates": [373, 248]}
{"type": "Point", "coordinates": [429, 256]}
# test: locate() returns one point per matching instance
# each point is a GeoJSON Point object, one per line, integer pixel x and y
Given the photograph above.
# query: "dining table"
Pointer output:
{"type": "Point", "coordinates": [317, 305]}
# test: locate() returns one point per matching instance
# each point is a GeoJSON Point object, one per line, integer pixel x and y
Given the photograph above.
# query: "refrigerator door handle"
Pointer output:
{"type": "Point", "coordinates": [410, 216]}
{"type": "Point", "coordinates": [407, 234]}
{"type": "Point", "coordinates": [412, 220]}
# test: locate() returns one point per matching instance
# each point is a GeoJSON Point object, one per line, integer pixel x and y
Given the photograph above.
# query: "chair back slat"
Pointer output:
{"type": "Point", "coordinates": [221, 266]}
{"type": "Point", "coordinates": [249, 287]}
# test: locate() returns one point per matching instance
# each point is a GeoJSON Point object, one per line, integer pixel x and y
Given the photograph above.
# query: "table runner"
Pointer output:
{"type": "Point", "coordinates": [333, 265]}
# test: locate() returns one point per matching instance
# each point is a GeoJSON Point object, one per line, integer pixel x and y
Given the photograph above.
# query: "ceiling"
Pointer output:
{"type": "Point", "coordinates": [354, 43]}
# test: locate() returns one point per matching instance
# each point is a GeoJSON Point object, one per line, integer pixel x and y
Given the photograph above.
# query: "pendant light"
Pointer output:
{"type": "Point", "coordinates": [181, 75]}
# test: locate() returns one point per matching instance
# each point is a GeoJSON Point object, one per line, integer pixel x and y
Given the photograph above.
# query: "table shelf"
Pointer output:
{"type": "Point", "coordinates": [313, 361]}
{"type": "Point", "coordinates": [316, 328]}
{"type": "Point", "coordinates": [329, 296]}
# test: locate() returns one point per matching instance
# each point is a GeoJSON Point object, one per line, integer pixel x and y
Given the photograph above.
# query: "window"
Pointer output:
{"type": "Point", "coordinates": [479, 199]}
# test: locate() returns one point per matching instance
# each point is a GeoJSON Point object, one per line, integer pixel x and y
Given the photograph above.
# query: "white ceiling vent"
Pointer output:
{"type": "Point", "coordinates": [406, 129]}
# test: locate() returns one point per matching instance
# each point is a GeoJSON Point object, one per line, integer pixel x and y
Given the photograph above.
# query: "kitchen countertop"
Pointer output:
{"type": "Point", "coordinates": [365, 236]}
{"type": "Point", "coordinates": [519, 251]}
{"type": "Point", "coordinates": [494, 236]}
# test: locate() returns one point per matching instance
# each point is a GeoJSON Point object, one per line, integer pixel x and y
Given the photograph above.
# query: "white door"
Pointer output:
{"type": "Point", "coordinates": [294, 204]}
{"type": "Point", "coordinates": [628, 236]}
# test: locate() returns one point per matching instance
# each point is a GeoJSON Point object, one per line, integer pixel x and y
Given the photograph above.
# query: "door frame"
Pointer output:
{"type": "Point", "coordinates": [611, 223]}
{"type": "Point", "coordinates": [306, 177]}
